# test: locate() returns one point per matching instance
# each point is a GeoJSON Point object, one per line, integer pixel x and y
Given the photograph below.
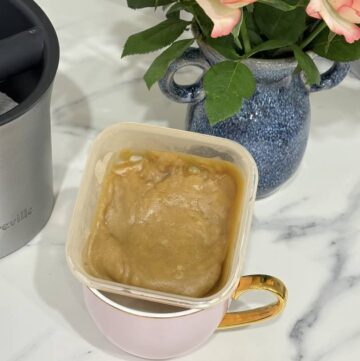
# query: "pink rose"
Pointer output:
{"type": "Point", "coordinates": [339, 15]}
{"type": "Point", "coordinates": [225, 14]}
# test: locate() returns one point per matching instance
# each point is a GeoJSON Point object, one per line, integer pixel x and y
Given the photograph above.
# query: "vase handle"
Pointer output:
{"type": "Point", "coordinates": [334, 76]}
{"type": "Point", "coordinates": [192, 93]}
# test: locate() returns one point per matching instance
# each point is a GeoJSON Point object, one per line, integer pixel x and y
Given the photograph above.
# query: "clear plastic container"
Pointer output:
{"type": "Point", "coordinates": [144, 137]}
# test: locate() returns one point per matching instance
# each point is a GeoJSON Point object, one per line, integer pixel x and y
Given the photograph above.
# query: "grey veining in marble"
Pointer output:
{"type": "Point", "coordinates": [307, 234]}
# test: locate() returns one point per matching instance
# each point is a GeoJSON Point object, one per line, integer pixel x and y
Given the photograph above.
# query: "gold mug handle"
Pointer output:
{"type": "Point", "coordinates": [247, 317]}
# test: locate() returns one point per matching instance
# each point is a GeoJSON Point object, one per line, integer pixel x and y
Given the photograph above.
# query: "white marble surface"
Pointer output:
{"type": "Point", "coordinates": [308, 234]}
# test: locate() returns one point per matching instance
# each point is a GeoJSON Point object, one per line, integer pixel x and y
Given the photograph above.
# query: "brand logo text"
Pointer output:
{"type": "Point", "coordinates": [25, 213]}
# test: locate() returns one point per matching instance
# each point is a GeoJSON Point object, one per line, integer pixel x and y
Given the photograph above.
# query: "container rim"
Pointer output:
{"type": "Point", "coordinates": [134, 312]}
{"type": "Point", "coordinates": [50, 58]}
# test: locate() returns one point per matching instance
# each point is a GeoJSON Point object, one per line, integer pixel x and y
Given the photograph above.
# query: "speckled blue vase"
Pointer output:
{"type": "Point", "coordinates": [273, 125]}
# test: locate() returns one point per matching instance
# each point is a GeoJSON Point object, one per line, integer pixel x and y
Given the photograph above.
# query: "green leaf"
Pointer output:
{"type": "Point", "coordinates": [307, 65]}
{"type": "Point", "coordinates": [278, 24]}
{"type": "Point", "coordinates": [161, 63]}
{"type": "Point", "coordinates": [226, 85]}
{"type": "Point", "coordinates": [268, 45]}
{"type": "Point", "coordinates": [202, 20]}
{"type": "Point", "coordinates": [236, 32]}
{"type": "Point", "coordinates": [330, 39]}
{"type": "Point", "coordinates": [250, 8]}
{"type": "Point", "coordinates": [140, 4]}
{"type": "Point", "coordinates": [225, 46]}
{"type": "Point", "coordinates": [254, 37]}
{"type": "Point", "coordinates": [279, 4]}
{"type": "Point", "coordinates": [173, 15]}
{"type": "Point", "coordinates": [338, 49]}
{"type": "Point", "coordinates": [155, 38]}
{"type": "Point", "coordinates": [174, 11]}
{"type": "Point", "coordinates": [245, 36]}
{"type": "Point", "coordinates": [253, 30]}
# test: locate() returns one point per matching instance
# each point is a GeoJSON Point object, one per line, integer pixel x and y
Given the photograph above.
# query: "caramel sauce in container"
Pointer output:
{"type": "Point", "coordinates": [116, 256]}
{"type": "Point", "coordinates": [165, 221]}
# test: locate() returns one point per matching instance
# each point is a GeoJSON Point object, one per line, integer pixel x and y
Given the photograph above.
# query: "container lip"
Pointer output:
{"type": "Point", "coordinates": [51, 59]}
{"type": "Point", "coordinates": [245, 221]}
{"type": "Point", "coordinates": [101, 297]}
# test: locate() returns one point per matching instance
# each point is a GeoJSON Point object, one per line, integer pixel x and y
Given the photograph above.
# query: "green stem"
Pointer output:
{"type": "Point", "coordinates": [245, 36]}
{"type": "Point", "coordinates": [319, 28]}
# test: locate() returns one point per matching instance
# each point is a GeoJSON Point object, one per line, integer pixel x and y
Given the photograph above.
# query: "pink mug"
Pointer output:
{"type": "Point", "coordinates": [149, 328]}
{"type": "Point", "coordinates": [156, 331]}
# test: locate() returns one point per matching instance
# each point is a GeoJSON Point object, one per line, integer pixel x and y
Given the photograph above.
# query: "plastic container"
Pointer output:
{"type": "Point", "coordinates": [145, 137]}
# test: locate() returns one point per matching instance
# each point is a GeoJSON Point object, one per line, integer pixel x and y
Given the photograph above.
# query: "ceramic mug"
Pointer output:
{"type": "Point", "coordinates": [155, 331]}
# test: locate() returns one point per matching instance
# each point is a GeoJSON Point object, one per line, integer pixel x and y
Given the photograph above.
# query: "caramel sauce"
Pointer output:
{"type": "Point", "coordinates": [165, 221]}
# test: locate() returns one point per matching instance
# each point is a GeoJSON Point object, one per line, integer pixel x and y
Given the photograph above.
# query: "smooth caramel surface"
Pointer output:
{"type": "Point", "coordinates": [164, 222]}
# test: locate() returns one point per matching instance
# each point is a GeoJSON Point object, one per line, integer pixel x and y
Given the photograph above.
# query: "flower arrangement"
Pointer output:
{"type": "Point", "coordinates": [241, 29]}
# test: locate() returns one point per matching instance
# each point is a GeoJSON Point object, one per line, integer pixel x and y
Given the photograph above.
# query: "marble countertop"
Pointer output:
{"type": "Point", "coordinates": [308, 234]}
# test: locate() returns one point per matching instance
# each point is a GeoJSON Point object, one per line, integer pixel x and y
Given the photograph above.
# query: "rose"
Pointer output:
{"type": "Point", "coordinates": [339, 15]}
{"type": "Point", "coordinates": [225, 14]}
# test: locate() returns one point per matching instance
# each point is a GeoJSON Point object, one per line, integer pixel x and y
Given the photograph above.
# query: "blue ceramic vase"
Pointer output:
{"type": "Point", "coordinates": [273, 125]}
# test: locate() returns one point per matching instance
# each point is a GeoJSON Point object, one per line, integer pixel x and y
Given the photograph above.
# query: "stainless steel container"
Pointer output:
{"type": "Point", "coordinates": [26, 187]}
